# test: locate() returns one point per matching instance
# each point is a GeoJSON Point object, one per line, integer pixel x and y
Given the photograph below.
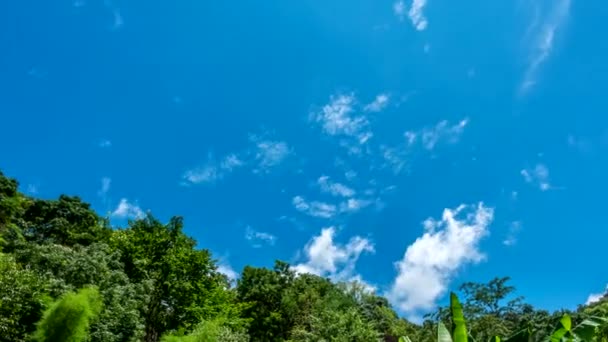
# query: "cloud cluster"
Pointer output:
{"type": "Point", "coordinates": [537, 176]}
{"type": "Point", "coordinates": [596, 297]}
{"type": "Point", "coordinates": [443, 131]}
{"type": "Point", "coordinates": [429, 264]}
{"type": "Point", "coordinates": [416, 15]}
{"type": "Point", "coordinates": [262, 157]}
{"type": "Point", "coordinates": [325, 257]}
{"type": "Point", "coordinates": [334, 188]}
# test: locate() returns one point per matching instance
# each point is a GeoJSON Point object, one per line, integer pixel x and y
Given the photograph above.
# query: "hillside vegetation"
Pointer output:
{"type": "Point", "coordinates": [67, 275]}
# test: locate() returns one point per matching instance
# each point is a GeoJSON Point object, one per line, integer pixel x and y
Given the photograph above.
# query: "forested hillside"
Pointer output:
{"type": "Point", "coordinates": [66, 274]}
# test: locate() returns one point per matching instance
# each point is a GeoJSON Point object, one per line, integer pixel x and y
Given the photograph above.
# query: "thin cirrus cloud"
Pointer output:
{"type": "Point", "coordinates": [399, 9]}
{"type": "Point", "coordinates": [325, 257]}
{"type": "Point", "coordinates": [259, 239]}
{"type": "Point", "coordinates": [514, 229]}
{"type": "Point", "coordinates": [429, 264]}
{"type": "Point", "coordinates": [127, 210]}
{"type": "Point", "coordinates": [106, 182]}
{"type": "Point", "coordinates": [544, 32]}
{"type": "Point", "coordinates": [213, 170]}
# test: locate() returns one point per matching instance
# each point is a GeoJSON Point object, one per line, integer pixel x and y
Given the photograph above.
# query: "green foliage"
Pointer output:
{"type": "Point", "coordinates": [22, 300]}
{"type": "Point", "coordinates": [69, 318]}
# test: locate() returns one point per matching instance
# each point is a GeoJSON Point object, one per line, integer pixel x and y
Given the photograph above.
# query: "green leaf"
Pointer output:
{"type": "Point", "coordinates": [404, 339]}
{"type": "Point", "coordinates": [459, 328]}
{"type": "Point", "coordinates": [566, 327]}
{"type": "Point", "coordinates": [443, 335]}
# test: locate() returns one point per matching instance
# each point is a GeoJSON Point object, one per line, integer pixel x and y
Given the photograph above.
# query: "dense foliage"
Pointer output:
{"type": "Point", "coordinates": [65, 270]}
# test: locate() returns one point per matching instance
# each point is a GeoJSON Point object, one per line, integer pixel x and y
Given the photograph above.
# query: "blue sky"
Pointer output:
{"type": "Point", "coordinates": [411, 145]}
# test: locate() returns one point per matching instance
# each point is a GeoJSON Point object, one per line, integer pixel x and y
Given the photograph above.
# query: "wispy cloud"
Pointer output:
{"type": "Point", "coordinates": [334, 188]}
{"type": "Point", "coordinates": [430, 263]}
{"type": "Point", "coordinates": [314, 208]}
{"type": "Point", "coordinates": [443, 131]}
{"type": "Point", "coordinates": [596, 297]}
{"type": "Point", "coordinates": [399, 9]}
{"type": "Point", "coordinates": [269, 154]}
{"type": "Point", "coordinates": [380, 103]}
{"type": "Point", "coordinates": [106, 182]}
{"type": "Point", "coordinates": [31, 189]}
{"type": "Point", "coordinates": [117, 19]}
{"type": "Point", "coordinates": [353, 205]}
{"type": "Point", "coordinates": [514, 229]}
{"type": "Point", "coordinates": [544, 40]}
{"type": "Point", "coordinates": [325, 257]}
{"type": "Point", "coordinates": [258, 239]}
{"type": "Point", "coordinates": [417, 16]}
{"type": "Point", "coordinates": [537, 176]}
{"type": "Point", "coordinates": [128, 210]}
{"type": "Point", "coordinates": [213, 170]}
{"type": "Point", "coordinates": [105, 143]}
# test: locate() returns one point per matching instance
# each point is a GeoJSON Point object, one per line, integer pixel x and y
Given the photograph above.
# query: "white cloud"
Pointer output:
{"type": "Point", "coordinates": [334, 188]}
{"type": "Point", "coordinates": [430, 263]}
{"type": "Point", "coordinates": [337, 119]}
{"type": "Point", "coordinates": [399, 9]}
{"type": "Point", "coordinates": [213, 170]}
{"type": "Point", "coordinates": [596, 297]}
{"type": "Point", "coordinates": [544, 41]}
{"type": "Point", "coordinates": [105, 143]}
{"type": "Point", "coordinates": [314, 208]}
{"type": "Point", "coordinates": [324, 257]}
{"type": "Point", "coordinates": [353, 205]}
{"type": "Point", "coordinates": [258, 238]}
{"type": "Point", "coordinates": [394, 158]}
{"type": "Point", "coordinates": [417, 16]}
{"type": "Point", "coordinates": [381, 101]}
{"type": "Point", "coordinates": [514, 229]}
{"type": "Point", "coordinates": [538, 176]}
{"type": "Point", "coordinates": [227, 270]}
{"type": "Point", "coordinates": [270, 154]}
{"type": "Point", "coordinates": [105, 186]}
{"type": "Point", "coordinates": [443, 131]}
{"type": "Point", "coordinates": [129, 210]}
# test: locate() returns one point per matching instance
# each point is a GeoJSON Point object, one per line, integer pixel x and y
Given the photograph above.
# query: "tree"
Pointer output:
{"type": "Point", "coordinates": [185, 285]}
{"type": "Point", "coordinates": [68, 319]}
{"type": "Point", "coordinates": [264, 289]}
{"type": "Point", "coordinates": [22, 300]}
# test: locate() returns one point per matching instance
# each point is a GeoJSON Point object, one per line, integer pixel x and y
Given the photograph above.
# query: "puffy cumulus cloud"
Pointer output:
{"type": "Point", "coordinates": [126, 209]}
{"type": "Point", "coordinates": [258, 239]}
{"type": "Point", "coordinates": [334, 188]}
{"type": "Point", "coordinates": [429, 264]}
{"type": "Point", "coordinates": [537, 176]}
{"type": "Point", "coordinates": [314, 208]}
{"type": "Point", "coordinates": [213, 170]}
{"type": "Point", "coordinates": [325, 257]}
{"type": "Point", "coordinates": [596, 297]}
